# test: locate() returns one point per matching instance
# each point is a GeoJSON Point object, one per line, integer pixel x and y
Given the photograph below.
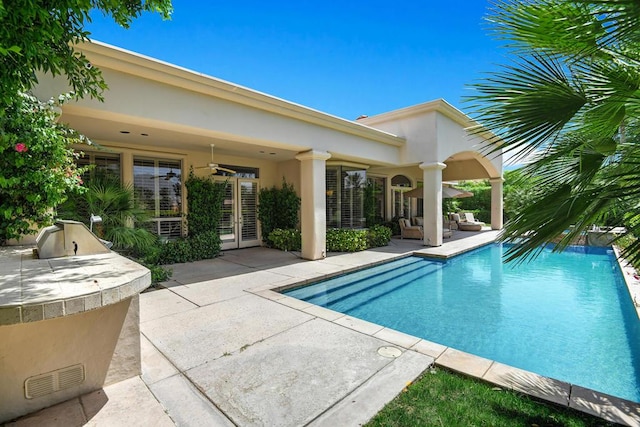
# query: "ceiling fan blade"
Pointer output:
{"type": "Point", "coordinates": [226, 170]}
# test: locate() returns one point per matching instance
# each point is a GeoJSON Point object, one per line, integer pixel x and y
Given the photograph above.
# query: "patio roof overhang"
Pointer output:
{"type": "Point", "coordinates": [154, 100]}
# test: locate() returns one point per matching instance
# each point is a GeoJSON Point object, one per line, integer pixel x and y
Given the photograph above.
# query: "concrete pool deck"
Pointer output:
{"type": "Point", "coordinates": [220, 347]}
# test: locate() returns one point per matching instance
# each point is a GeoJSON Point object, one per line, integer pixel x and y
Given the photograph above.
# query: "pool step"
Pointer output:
{"type": "Point", "coordinates": [348, 281]}
{"type": "Point", "coordinates": [358, 299]}
{"type": "Point", "coordinates": [345, 291]}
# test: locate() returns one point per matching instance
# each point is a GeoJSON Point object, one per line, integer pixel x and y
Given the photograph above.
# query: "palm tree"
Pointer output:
{"type": "Point", "coordinates": [115, 204]}
{"type": "Point", "coordinates": [571, 101]}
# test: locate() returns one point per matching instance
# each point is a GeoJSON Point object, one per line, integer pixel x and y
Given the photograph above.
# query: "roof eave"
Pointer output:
{"type": "Point", "coordinates": [111, 57]}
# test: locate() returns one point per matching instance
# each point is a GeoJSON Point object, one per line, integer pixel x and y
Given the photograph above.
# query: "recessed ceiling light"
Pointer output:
{"type": "Point", "coordinates": [272, 154]}
{"type": "Point", "coordinates": [124, 131]}
{"type": "Point", "coordinates": [262, 151]}
{"type": "Point", "coordinates": [144, 134]}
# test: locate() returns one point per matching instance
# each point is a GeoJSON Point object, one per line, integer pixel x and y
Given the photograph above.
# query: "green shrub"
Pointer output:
{"type": "Point", "coordinates": [204, 197]}
{"type": "Point", "coordinates": [175, 251]}
{"type": "Point", "coordinates": [159, 273]}
{"type": "Point", "coordinates": [346, 240]}
{"type": "Point", "coordinates": [393, 225]}
{"type": "Point", "coordinates": [203, 242]}
{"type": "Point", "coordinates": [150, 259]}
{"type": "Point", "coordinates": [378, 235]}
{"type": "Point", "coordinates": [205, 245]}
{"type": "Point", "coordinates": [286, 240]}
{"type": "Point", "coordinates": [277, 208]}
{"type": "Point", "coordinates": [202, 246]}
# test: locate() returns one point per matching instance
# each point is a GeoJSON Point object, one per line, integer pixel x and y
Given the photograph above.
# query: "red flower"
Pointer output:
{"type": "Point", "coordinates": [21, 147]}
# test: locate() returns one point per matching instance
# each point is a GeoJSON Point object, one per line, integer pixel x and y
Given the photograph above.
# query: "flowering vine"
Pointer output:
{"type": "Point", "coordinates": [37, 164]}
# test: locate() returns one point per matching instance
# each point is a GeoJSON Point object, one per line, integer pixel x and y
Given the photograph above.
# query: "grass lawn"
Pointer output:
{"type": "Point", "coordinates": [443, 398]}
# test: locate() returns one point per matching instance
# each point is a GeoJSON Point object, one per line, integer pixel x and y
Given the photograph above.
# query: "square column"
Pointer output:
{"type": "Point", "coordinates": [313, 211]}
{"type": "Point", "coordinates": [497, 203]}
{"type": "Point", "coordinates": [432, 199]}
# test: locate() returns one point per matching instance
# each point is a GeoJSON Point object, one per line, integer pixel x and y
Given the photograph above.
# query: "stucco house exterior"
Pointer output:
{"type": "Point", "coordinates": [158, 120]}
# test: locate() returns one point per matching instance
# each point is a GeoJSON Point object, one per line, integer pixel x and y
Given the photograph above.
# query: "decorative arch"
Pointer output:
{"type": "Point", "coordinates": [400, 181]}
{"type": "Point", "coordinates": [469, 165]}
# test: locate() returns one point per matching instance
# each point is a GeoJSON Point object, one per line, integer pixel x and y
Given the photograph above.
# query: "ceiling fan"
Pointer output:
{"type": "Point", "coordinates": [214, 167]}
{"type": "Point", "coordinates": [169, 175]}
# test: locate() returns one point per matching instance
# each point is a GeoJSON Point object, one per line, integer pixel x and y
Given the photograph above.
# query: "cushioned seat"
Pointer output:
{"type": "Point", "coordinates": [466, 225]}
{"type": "Point", "coordinates": [410, 231]}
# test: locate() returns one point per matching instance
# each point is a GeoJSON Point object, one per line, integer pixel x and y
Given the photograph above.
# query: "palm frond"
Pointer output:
{"type": "Point", "coordinates": [528, 104]}
{"type": "Point", "coordinates": [556, 27]}
{"type": "Point", "coordinates": [619, 18]}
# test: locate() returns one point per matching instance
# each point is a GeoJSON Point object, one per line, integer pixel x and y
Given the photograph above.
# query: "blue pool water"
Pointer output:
{"type": "Point", "coordinates": [563, 315]}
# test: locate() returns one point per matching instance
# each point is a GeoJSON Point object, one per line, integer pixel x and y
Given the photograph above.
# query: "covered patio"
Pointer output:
{"type": "Point", "coordinates": [160, 120]}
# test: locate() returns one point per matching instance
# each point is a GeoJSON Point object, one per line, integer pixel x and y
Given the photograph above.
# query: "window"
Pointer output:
{"type": "Point", "coordinates": [158, 187]}
{"type": "Point", "coordinates": [400, 181]}
{"type": "Point", "coordinates": [345, 197]}
{"type": "Point", "coordinates": [401, 206]}
{"type": "Point", "coordinates": [333, 198]}
{"type": "Point", "coordinates": [107, 165]}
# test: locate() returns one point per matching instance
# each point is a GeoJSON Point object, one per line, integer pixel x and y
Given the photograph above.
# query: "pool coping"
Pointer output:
{"type": "Point", "coordinates": [596, 403]}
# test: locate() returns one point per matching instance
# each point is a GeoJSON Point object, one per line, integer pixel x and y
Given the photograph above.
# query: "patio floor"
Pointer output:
{"type": "Point", "coordinates": [220, 348]}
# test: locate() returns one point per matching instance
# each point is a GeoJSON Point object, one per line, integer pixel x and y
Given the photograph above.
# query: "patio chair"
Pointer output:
{"type": "Point", "coordinates": [466, 225]}
{"type": "Point", "coordinates": [447, 229]}
{"type": "Point", "coordinates": [410, 231]}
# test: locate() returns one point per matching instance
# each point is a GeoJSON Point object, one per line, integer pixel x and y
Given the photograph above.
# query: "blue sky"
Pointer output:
{"type": "Point", "coordinates": [342, 58]}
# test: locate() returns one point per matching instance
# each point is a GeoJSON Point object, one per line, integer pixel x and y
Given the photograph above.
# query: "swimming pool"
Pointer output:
{"type": "Point", "coordinates": [563, 315]}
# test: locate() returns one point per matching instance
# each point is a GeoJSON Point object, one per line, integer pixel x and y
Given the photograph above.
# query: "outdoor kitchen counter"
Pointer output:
{"type": "Point", "coordinates": [34, 289]}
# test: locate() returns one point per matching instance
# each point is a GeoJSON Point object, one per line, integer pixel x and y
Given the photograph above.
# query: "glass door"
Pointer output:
{"type": "Point", "coordinates": [238, 226]}
{"type": "Point", "coordinates": [227, 226]}
{"type": "Point", "coordinates": [247, 209]}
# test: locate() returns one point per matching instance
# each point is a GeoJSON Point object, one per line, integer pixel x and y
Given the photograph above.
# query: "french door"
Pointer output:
{"type": "Point", "coordinates": [239, 224]}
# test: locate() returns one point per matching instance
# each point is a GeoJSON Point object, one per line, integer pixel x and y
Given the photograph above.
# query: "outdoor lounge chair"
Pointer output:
{"type": "Point", "coordinates": [410, 231]}
{"type": "Point", "coordinates": [469, 218]}
{"type": "Point", "coordinates": [466, 225]}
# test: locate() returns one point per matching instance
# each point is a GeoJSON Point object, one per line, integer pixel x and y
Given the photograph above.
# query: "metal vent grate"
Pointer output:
{"type": "Point", "coordinates": [41, 385]}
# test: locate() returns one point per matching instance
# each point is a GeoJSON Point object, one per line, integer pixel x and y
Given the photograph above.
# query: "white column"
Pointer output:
{"type": "Point", "coordinates": [432, 199]}
{"type": "Point", "coordinates": [126, 159]}
{"type": "Point", "coordinates": [497, 204]}
{"type": "Point", "coordinates": [313, 217]}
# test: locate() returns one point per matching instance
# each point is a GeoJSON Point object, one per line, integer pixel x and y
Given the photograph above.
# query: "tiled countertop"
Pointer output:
{"type": "Point", "coordinates": [34, 289]}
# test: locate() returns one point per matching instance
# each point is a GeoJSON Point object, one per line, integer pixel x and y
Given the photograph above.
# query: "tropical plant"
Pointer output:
{"type": "Point", "coordinates": [519, 192]}
{"type": "Point", "coordinates": [122, 219]}
{"type": "Point", "coordinates": [278, 208]}
{"type": "Point", "coordinates": [570, 102]}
